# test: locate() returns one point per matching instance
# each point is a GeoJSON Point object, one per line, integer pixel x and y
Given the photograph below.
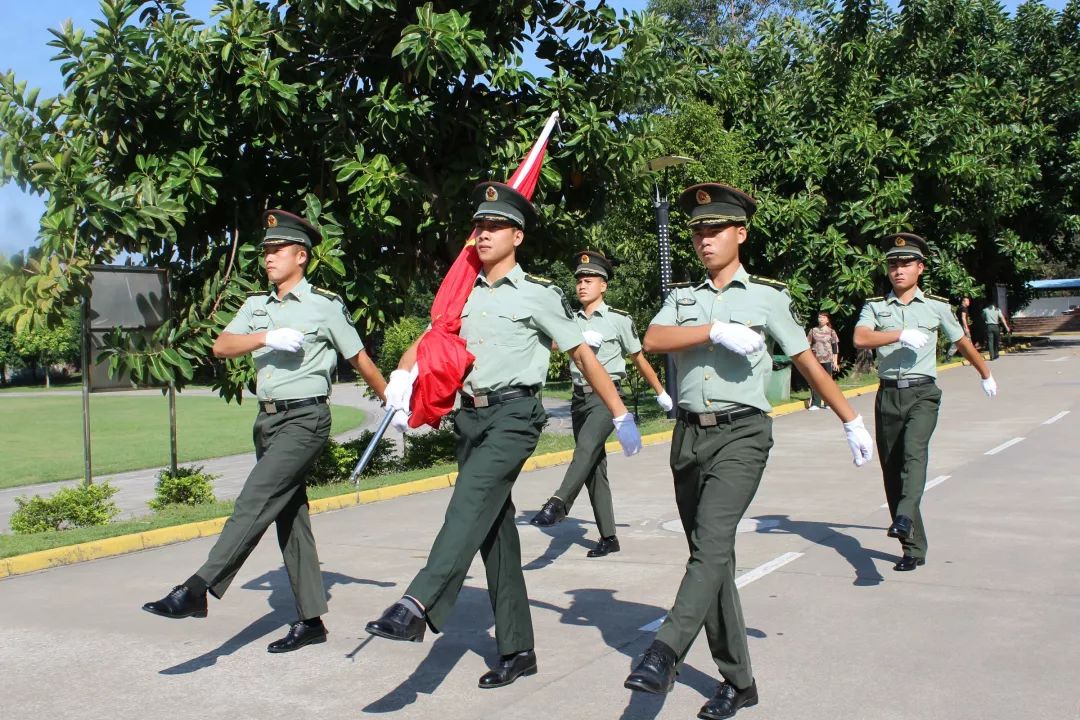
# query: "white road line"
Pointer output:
{"type": "Point", "coordinates": [1004, 446]}
{"type": "Point", "coordinates": [1060, 359]}
{"type": "Point", "coordinates": [1057, 417]}
{"type": "Point", "coordinates": [931, 484]}
{"type": "Point", "coordinates": [742, 581]}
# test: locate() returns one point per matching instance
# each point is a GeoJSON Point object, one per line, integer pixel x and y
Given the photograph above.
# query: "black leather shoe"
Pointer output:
{"type": "Point", "coordinates": [397, 623]}
{"type": "Point", "coordinates": [606, 546]}
{"type": "Point", "coordinates": [509, 669]}
{"type": "Point", "coordinates": [908, 563]}
{"type": "Point", "coordinates": [656, 671]}
{"type": "Point", "coordinates": [300, 634]}
{"type": "Point", "coordinates": [900, 528]}
{"type": "Point", "coordinates": [180, 603]}
{"type": "Point", "coordinates": [727, 701]}
{"type": "Point", "coordinates": [553, 512]}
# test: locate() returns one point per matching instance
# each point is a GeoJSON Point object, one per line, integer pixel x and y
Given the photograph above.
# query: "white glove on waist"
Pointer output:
{"type": "Point", "coordinates": [627, 432]}
{"type": "Point", "coordinates": [285, 339]}
{"type": "Point", "coordinates": [592, 338]}
{"type": "Point", "coordinates": [914, 339]}
{"type": "Point", "coordinates": [858, 439]}
{"type": "Point", "coordinates": [664, 401]}
{"type": "Point", "coordinates": [989, 386]}
{"type": "Point", "coordinates": [736, 338]}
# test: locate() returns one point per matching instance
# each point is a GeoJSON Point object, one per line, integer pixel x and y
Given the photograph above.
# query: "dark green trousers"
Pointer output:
{"type": "Point", "coordinates": [286, 445]}
{"type": "Point", "coordinates": [593, 424]}
{"type": "Point", "coordinates": [492, 445]}
{"type": "Point", "coordinates": [993, 341]}
{"type": "Point", "coordinates": [717, 472]}
{"type": "Point", "coordinates": [904, 420]}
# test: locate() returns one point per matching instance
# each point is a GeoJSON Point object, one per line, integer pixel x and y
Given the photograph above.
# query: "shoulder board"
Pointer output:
{"type": "Point", "coordinates": [327, 294]}
{"type": "Point", "coordinates": [257, 293]}
{"type": "Point", "coordinates": [539, 280]}
{"type": "Point", "coordinates": [674, 286]}
{"type": "Point", "coordinates": [768, 281]}
{"type": "Point", "coordinates": [939, 299]}
{"type": "Point", "coordinates": [879, 298]}
{"type": "Point", "coordinates": [619, 312]}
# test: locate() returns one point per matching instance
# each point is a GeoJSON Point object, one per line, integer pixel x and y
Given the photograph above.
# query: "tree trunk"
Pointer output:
{"type": "Point", "coordinates": [45, 367]}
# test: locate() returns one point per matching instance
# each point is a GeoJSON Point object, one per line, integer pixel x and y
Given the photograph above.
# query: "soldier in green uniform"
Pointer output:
{"type": "Point", "coordinates": [903, 328]}
{"type": "Point", "coordinates": [994, 319]}
{"type": "Point", "coordinates": [294, 334]}
{"type": "Point", "coordinates": [723, 435]}
{"type": "Point", "coordinates": [509, 324]}
{"type": "Point", "coordinates": [612, 336]}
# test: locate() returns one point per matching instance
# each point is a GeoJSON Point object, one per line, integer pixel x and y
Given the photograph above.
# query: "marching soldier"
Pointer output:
{"type": "Point", "coordinates": [509, 323]}
{"type": "Point", "coordinates": [612, 336]}
{"type": "Point", "coordinates": [723, 435]}
{"type": "Point", "coordinates": [994, 319]}
{"type": "Point", "coordinates": [903, 328]}
{"type": "Point", "coordinates": [294, 334]}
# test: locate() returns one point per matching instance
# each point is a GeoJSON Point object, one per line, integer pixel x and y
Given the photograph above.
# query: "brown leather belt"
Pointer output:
{"type": "Point", "coordinates": [712, 419]}
{"type": "Point", "coordinates": [484, 400]}
{"type": "Point", "coordinates": [275, 406]}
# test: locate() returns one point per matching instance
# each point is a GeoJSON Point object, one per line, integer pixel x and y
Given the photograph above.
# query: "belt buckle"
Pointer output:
{"type": "Point", "coordinates": [707, 419]}
{"type": "Point", "coordinates": [269, 407]}
{"type": "Point", "coordinates": [903, 384]}
{"type": "Point", "coordinates": [480, 401]}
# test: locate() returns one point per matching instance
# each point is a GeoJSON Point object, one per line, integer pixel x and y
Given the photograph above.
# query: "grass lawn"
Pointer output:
{"type": "Point", "coordinates": [41, 437]}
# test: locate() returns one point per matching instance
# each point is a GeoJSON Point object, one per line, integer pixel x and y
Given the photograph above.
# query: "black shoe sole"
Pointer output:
{"type": "Point", "coordinates": [899, 536]}
{"type": "Point", "coordinates": [714, 716]}
{"type": "Point", "coordinates": [639, 687]}
{"type": "Point", "coordinates": [313, 641]}
{"type": "Point", "coordinates": [371, 630]}
{"type": "Point", "coordinates": [594, 554]}
{"type": "Point", "coordinates": [918, 564]}
{"type": "Point", "coordinates": [176, 616]}
{"type": "Point", "coordinates": [526, 673]}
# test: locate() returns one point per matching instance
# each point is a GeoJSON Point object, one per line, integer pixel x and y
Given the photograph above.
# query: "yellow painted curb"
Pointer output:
{"type": "Point", "coordinates": [122, 544]}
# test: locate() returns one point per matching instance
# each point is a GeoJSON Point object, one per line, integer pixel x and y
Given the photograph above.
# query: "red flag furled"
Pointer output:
{"type": "Point", "coordinates": [442, 359]}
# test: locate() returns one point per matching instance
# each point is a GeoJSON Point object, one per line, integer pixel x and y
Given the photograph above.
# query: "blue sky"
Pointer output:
{"type": "Point", "coordinates": [24, 36]}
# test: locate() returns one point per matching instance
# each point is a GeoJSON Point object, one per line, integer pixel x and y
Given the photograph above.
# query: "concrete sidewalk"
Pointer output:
{"type": "Point", "coordinates": [984, 631]}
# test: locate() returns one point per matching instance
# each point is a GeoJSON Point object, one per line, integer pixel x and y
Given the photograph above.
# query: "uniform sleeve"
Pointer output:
{"type": "Point", "coordinates": [552, 319]}
{"type": "Point", "coordinates": [628, 337]}
{"type": "Point", "coordinates": [668, 314]}
{"type": "Point", "coordinates": [782, 327]}
{"type": "Point", "coordinates": [950, 326]}
{"type": "Point", "coordinates": [867, 318]}
{"type": "Point", "coordinates": [341, 330]}
{"type": "Point", "coordinates": [241, 322]}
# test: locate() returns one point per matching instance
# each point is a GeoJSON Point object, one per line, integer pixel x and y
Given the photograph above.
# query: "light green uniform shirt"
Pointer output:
{"type": "Point", "coordinates": [992, 316]}
{"type": "Point", "coordinates": [509, 326]}
{"type": "Point", "coordinates": [620, 340]}
{"type": "Point", "coordinates": [711, 377]}
{"type": "Point", "coordinates": [327, 328]}
{"type": "Point", "coordinates": [924, 312]}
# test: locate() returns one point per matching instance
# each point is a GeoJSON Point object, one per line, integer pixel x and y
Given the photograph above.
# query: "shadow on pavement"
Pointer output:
{"type": "Point", "coordinates": [565, 535]}
{"type": "Point", "coordinates": [282, 612]}
{"type": "Point", "coordinates": [829, 535]}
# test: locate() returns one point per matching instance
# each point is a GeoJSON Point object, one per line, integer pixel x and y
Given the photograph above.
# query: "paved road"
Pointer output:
{"type": "Point", "coordinates": [985, 630]}
{"type": "Point", "coordinates": [136, 487]}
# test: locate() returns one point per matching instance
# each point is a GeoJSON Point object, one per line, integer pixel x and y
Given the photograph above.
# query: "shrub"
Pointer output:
{"type": "Point", "coordinates": [431, 448]}
{"type": "Point", "coordinates": [80, 506]}
{"type": "Point", "coordinates": [397, 339]}
{"type": "Point", "coordinates": [189, 486]}
{"type": "Point", "coordinates": [338, 460]}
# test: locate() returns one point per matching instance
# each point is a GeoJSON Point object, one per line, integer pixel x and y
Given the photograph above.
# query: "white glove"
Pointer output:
{"type": "Point", "coordinates": [627, 432]}
{"type": "Point", "coordinates": [285, 339]}
{"type": "Point", "coordinates": [399, 390]}
{"type": "Point", "coordinates": [400, 421]}
{"type": "Point", "coordinates": [990, 386]}
{"type": "Point", "coordinates": [858, 439]}
{"type": "Point", "coordinates": [912, 338]}
{"type": "Point", "coordinates": [664, 401]}
{"type": "Point", "coordinates": [592, 338]}
{"type": "Point", "coordinates": [736, 338]}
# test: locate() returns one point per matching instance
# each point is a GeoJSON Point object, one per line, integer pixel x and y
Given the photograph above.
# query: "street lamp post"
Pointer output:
{"type": "Point", "coordinates": [663, 234]}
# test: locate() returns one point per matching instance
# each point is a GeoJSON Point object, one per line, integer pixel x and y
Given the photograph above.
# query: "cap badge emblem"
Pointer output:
{"type": "Point", "coordinates": [703, 198]}
{"type": "Point", "coordinates": [271, 220]}
{"type": "Point", "coordinates": [491, 194]}
{"type": "Point", "coordinates": [584, 258]}
{"type": "Point", "coordinates": [901, 242]}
